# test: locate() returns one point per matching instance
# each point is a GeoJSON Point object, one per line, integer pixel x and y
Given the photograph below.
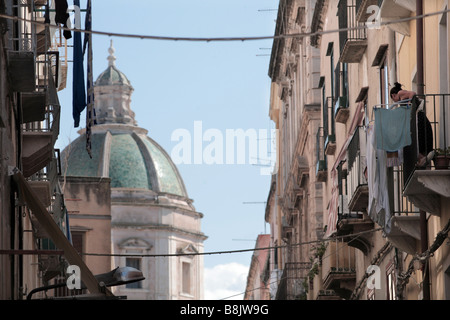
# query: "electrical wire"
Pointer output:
{"type": "Point", "coordinates": [334, 252]}
{"type": "Point", "coordinates": [228, 251]}
{"type": "Point", "coordinates": [223, 39]}
{"type": "Point", "coordinates": [402, 278]}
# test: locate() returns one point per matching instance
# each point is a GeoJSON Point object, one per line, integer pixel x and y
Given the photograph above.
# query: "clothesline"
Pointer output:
{"type": "Point", "coordinates": [389, 106]}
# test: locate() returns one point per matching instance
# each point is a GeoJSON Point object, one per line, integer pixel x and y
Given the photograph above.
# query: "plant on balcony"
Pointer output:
{"type": "Point", "coordinates": [320, 251]}
{"type": "Point", "coordinates": [442, 158]}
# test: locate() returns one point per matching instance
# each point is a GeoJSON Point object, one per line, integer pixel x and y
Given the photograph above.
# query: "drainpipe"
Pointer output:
{"type": "Point", "coordinates": [421, 91]}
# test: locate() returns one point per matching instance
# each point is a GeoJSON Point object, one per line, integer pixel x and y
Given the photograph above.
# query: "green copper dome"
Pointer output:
{"type": "Point", "coordinates": [131, 160]}
{"type": "Point", "coordinates": [112, 76]}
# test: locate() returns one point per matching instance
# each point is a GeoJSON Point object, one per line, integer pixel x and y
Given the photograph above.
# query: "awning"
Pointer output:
{"type": "Point", "coordinates": [58, 237]}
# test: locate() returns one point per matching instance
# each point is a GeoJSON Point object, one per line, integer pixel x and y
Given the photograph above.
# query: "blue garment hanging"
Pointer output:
{"type": "Point", "coordinates": [79, 89]}
{"type": "Point", "coordinates": [393, 128]}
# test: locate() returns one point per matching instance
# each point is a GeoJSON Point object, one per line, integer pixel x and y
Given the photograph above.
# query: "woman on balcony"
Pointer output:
{"type": "Point", "coordinates": [424, 130]}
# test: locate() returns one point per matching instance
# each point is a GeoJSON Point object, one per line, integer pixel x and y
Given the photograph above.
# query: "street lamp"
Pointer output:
{"type": "Point", "coordinates": [116, 277]}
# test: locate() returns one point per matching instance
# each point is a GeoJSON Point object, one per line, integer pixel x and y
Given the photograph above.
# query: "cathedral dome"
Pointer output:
{"type": "Point", "coordinates": [120, 149]}
{"type": "Point", "coordinates": [127, 156]}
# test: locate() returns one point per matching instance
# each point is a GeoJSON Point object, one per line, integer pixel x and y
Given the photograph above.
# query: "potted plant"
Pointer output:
{"type": "Point", "coordinates": [442, 158]}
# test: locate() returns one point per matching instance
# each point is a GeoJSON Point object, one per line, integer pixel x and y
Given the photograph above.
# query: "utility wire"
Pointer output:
{"type": "Point", "coordinates": [228, 251]}
{"type": "Point", "coordinates": [223, 39]}
{"type": "Point", "coordinates": [333, 252]}
{"type": "Point", "coordinates": [402, 278]}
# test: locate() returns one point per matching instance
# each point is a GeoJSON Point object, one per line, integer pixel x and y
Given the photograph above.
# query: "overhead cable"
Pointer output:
{"type": "Point", "coordinates": [224, 39]}
{"type": "Point", "coordinates": [228, 251]}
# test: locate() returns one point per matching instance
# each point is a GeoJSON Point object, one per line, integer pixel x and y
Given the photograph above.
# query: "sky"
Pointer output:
{"type": "Point", "coordinates": [204, 89]}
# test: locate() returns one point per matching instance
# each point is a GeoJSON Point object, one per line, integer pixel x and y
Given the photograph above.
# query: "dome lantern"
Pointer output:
{"type": "Point", "coordinates": [113, 93]}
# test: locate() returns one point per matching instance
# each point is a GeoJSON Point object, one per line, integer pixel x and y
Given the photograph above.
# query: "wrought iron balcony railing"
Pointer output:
{"type": "Point", "coordinates": [353, 42]}
{"type": "Point", "coordinates": [291, 286]}
{"type": "Point", "coordinates": [425, 184]}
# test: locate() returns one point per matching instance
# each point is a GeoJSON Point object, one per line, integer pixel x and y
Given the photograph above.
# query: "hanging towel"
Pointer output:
{"type": "Point", "coordinates": [379, 209]}
{"type": "Point", "coordinates": [392, 128]}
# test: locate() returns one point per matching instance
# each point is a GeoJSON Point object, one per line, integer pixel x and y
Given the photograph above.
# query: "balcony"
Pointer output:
{"type": "Point", "coordinates": [409, 188]}
{"type": "Point", "coordinates": [291, 286]}
{"type": "Point", "coordinates": [327, 295]}
{"type": "Point", "coordinates": [357, 187]}
{"type": "Point", "coordinates": [394, 10]}
{"type": "Point", "coordinates": [300, 180]}
{"type": "Point", "coordinates": [21, 70]}
{"type": "Point", "coordinates": [43, 41]}
{"type": "Point", "coordinates": [330, 145]}
{"type": "Point", "coordinates": [350, 223]}
{"type": "Point", "coordinates": [37, 151]}
{"type": "Point", "coordinates": [33, 106]}
{"type": "Point", "coordinates": [338, 268]}
{"type": "Point", "coordinates": [353, 43]}
{"type": "Point", "coordinates": [341, 111]}
{"type": "Point", "coordinates": [426, 188]}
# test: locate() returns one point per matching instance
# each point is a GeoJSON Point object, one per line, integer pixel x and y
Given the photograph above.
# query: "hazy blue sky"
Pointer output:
{"type": "Point", "coordinates": [224, 85]}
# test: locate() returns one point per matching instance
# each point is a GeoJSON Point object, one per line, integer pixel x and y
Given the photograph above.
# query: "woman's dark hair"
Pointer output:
{"type": "Point", "coordinates": [397, 87]}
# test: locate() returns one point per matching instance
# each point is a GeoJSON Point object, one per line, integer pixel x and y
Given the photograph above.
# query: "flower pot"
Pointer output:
{"type": "Point", "coordinates": [441, 162]}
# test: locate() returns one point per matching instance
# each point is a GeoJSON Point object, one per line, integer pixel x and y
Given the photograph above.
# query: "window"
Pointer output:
{"type": "Point", "coordinates": [186, 277]}
{"type": "Point", "coordinates": [78, 241]}
{"type": "Point", "coordinates": [390, 285]}
{"type": "Point", "coordinates": [381, 63]}
{"type": "Point", "coordinates": [342, 87]}
{"type": "Point", "coordinates": [334, 73]}
{"type": "Point", "coordinates": [384, 83]}
{"type": "Point", "coordinates": [134, 263]}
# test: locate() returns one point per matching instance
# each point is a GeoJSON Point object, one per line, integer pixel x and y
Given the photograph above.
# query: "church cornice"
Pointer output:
{"type": "Point", "coordinates": [160, 227]}
{"type": "Point", "coordinates": [115, 128]}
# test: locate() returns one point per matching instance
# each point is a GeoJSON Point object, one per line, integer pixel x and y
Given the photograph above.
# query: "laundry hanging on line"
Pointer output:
{"type": "Point", "coordinates": [379, 208]}
{"type": "Point", "coordinates": [393, 128]}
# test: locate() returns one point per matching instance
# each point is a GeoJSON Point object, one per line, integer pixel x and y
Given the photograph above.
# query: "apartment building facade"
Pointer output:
{"type": "Point", "coordinates": [35, 244]}
{"type": "Point", "coordinates": [356, 221]}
